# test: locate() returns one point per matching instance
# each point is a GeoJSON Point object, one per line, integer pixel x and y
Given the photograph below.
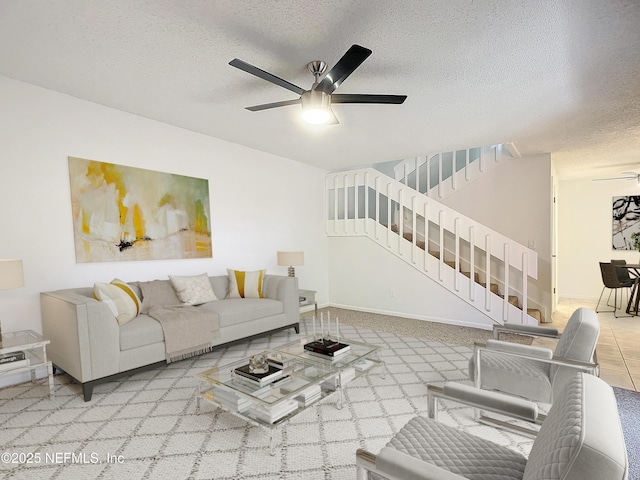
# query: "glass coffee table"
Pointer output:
{"type": "Point", "coordinates": [305, 378]}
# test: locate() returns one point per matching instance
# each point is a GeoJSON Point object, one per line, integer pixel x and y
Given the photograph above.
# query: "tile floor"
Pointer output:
{"type": "Point", "coordinates": [618, 347]}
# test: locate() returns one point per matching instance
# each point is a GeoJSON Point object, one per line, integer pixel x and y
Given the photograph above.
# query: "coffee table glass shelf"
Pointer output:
{"type": "Point", "coordinates": [34, 348]}
{"type": "Point", "coordinates": [305, 379]}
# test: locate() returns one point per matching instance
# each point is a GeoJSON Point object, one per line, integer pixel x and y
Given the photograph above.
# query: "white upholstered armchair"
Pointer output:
{"type": "Point", "coordinates": [581, 439]}
{"type": "Point", "coordinates": [537, 373]}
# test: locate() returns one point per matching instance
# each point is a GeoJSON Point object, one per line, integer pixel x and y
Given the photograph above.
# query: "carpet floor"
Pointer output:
{"type": "Point", "coordinates": [629, 409]}
{"type": "Point", "coordinates": [146, 426]}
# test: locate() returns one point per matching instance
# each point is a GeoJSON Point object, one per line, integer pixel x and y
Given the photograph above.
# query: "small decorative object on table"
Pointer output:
{"type": "Point", "coordinates": [259, 363]}
{"type": "Point", "coordinates": [325, 346]}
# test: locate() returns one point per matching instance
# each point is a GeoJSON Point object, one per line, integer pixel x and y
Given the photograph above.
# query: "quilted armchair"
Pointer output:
{"type": "Point", "coordinates": [537, 373]}
{"type": "Point", "coordinates": [581, 439]}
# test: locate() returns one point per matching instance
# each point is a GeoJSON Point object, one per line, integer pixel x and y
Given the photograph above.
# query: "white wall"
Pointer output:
{"type": "Point", "coordinates": [585, 234]}
{"type": "Point", "coordinates": [364, 276]}
{"type": "Point", "coordinates": [260, 203]}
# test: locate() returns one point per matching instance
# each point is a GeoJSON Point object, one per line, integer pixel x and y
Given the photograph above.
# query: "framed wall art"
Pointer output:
{"type": "Point", "coordinates": [626, 221]}
{"type": "Point", "coordinates": [124, 213]}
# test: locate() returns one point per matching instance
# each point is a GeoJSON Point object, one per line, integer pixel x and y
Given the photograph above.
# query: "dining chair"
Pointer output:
{"type": "Point", "coordinates": [622, 272]}
{"type": "Point", "coordinates": [611, 280]}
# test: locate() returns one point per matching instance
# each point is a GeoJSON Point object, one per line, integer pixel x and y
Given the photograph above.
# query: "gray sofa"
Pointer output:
{"type": "Point", "coordinates": [89, 344]}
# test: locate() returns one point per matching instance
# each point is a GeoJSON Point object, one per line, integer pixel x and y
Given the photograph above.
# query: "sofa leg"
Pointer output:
{"type": "Point", "coordinates": [87, 391]}
{"type": "Point", "coordinates": [296, 327]}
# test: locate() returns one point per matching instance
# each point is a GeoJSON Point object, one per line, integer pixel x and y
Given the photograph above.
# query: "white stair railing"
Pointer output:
{"type": "Point", "coordinates": [368, 203]}
{"type": "Point", "coordinates": [452, 174]}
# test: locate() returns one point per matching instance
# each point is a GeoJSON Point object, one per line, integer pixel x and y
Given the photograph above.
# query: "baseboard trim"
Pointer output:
{"type": "Point", "coordinates": [446, 321]}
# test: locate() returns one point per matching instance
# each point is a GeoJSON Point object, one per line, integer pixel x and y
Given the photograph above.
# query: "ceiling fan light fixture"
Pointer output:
{"type": "Point", "coordinates": [316, 116]}
{"type": "Point", "coordinates": [316, 107]}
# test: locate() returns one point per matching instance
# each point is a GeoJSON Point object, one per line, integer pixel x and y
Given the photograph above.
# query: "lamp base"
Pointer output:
{"type": "Point", "coordinates": [292, 272]}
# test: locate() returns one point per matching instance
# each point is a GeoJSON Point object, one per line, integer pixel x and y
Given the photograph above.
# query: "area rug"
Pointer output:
{"type": "Point", "coordinates": [629, 410]}
{"type": "Point", "coordinates": [146, 426]}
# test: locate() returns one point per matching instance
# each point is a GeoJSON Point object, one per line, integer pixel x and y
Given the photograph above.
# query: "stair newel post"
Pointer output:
{"type": "Point", "coordinates": [507, 263]}
{"type": "Point", "coordinates": [376, 187]}
{"type": "Point", "coordinates": [440, 175]}
{"type": "Point", "coordinates": [346, 202]}
{"type": "Point", "coordinates": [335, 204]}
{"type": "Point", "coordinates": [404, 173]}
{"type": "Point", "coordinates": [472, 263]}
{"type": "Point", "coordinates": [414, 237]}
{"type": "Point", "coordinates": [400, 220]}
{"type": "Point", "coordinates": [441, 240]}
{"type": "Point", "coordinates": [466, 166]}
{"type": "Point", "coordinates": [389, 215]}
{"type": "Point", "coordinates": [426, 236]}
{"type": "Point", "coordinates": [326, 204]}
{"type": "Point", "coordinates": [487, 280]}
{"type": "Point", "coordinates": [417, 170]}
{"type": "Point", "coordinates": [525, 281]}
{"type": "Point", "coordinates": [366, 203]}
{"type": "Point", "coordinates": [456, 234]}
{"type": "Point", "coordinates": [428, 167]}
{"type": "Point", "coordinates": [356, 203]}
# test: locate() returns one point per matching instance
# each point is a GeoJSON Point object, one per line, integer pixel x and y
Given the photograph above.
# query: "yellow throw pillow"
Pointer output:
{"type": "Point", "coordinates": [121, 299]}
{"type": "Point", "coordinates": [245, 284]}
{"type": "Point", "coordinates": [193, 290]}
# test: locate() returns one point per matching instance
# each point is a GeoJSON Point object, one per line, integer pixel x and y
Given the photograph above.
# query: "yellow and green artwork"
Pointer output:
{"type": "Point", "coordinates": [126, 214]}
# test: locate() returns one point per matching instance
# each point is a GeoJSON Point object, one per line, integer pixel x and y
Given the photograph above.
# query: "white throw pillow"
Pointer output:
{"type": "Point", "coordinates": [121, 299]}
{"type": "Point", "coordinates": [245, 284]}
{"type": "Point", "coordinates": [193, 290]}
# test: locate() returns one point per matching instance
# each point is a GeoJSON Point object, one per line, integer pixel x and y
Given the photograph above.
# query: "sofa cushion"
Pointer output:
{"type": "Point", "coordinates": [220, 285]}
{"type": "Point", "coordinates": [142, 330]}
{"type": "Point", "coordinates": [245, 284]}
{"type": "Point", "coordinates": [233, 311]}
{"type": "Point", "coordinates": [194, 290]}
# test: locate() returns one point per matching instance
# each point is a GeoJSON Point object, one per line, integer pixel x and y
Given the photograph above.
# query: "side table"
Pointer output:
{"type": "Point", "coordinates": [308, 297]}
{"type": "Point", "coordinates": [34, 347]}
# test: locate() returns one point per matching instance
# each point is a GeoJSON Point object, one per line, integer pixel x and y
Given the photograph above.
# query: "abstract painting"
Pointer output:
{"type": "Point", "coordinates": [626, 221]}
{"type": "Point", "coordinates": [127, 214]}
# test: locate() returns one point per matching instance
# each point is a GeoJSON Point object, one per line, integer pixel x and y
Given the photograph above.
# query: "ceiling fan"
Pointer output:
{"type": "Point", "coordinates": [316, 102]}
{"type": "Point", "coordinates": [625, 176]}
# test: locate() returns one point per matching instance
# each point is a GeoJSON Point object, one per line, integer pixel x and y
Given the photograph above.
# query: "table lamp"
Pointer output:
{"type": "Point", "coordinates": [11, 276]}
{"type": "Point", "coordinates": [291, 259]}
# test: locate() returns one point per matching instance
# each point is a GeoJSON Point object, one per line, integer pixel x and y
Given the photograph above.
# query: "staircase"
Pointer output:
{"type": "Point", "coordinates": [480, 266]}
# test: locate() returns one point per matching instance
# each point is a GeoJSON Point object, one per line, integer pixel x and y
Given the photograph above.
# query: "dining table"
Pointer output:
{"type": "Point", "coordinates": [634, 298]}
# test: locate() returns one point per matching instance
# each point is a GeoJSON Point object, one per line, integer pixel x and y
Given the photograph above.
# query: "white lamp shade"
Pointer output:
{"type": "Point", "coordinates": [11, 274]}
{"type": "Point", "coordinates": [290, 259]}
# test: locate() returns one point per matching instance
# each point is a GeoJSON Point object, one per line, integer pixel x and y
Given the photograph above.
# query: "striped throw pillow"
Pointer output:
{"type": "Point", "coordinates": [245, 284]}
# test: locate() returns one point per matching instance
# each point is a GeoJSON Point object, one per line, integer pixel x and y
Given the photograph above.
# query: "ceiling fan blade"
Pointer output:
{"type": "Point", "coordinates": [269, 77]}
{"type": "Point", "coordinates": [367, 98]}
{"type": "Point", "coordinates": [266, 106]}
{"type": "Point", "coordinates": [345, 67]}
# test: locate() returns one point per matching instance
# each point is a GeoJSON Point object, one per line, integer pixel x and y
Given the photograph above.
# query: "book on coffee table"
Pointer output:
{"type": "Point", "coordinates": [259, 378]}
{"type": "Point", "coordinates": [327, 348]}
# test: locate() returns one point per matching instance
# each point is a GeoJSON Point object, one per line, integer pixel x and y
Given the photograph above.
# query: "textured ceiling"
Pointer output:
{"type": "Point", "coordinates": [553, 76]}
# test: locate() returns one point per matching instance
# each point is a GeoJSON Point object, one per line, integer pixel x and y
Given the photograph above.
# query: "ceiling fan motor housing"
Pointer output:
{"type": "Point", "coordinates": [315, 99]}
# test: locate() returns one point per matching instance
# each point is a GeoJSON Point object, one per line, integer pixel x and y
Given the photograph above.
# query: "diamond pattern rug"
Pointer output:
{"type": "Point", "coordinates": [146, 426]}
